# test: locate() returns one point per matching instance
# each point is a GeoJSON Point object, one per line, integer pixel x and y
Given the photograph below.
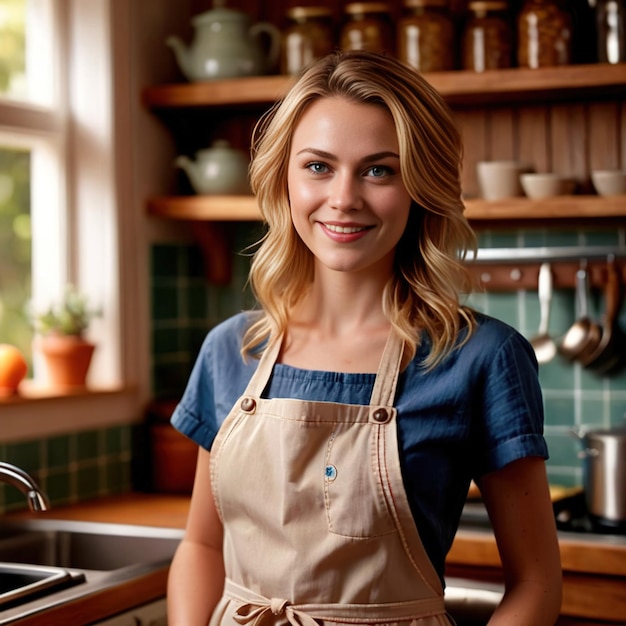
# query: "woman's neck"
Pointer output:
{"type": "Point", "coordinates": [338, 325]}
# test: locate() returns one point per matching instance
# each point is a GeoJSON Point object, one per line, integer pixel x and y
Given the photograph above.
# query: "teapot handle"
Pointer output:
{"type": "Point", "coordinates": [275, 41]}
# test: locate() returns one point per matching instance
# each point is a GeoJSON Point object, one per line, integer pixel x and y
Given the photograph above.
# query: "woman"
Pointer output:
{"type": "Point", "coordinates": [366, 396]}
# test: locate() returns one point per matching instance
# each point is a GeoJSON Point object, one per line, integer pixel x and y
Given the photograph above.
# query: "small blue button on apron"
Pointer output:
{"type": "Point", "coordinates": [330, 472]}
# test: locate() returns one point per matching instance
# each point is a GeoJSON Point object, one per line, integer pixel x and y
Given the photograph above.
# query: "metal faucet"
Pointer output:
{"type": "Point", "coordinates": [13, 475]}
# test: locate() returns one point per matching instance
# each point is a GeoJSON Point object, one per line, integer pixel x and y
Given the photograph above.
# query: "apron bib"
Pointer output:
{"type": "Point", "coordinates": [317, 525]}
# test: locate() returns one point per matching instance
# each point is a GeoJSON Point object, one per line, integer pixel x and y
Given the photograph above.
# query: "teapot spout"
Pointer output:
{"type": "Point", "coordinates": [181, 53]}
{"type": "Point", "coordinates": [190, 168]}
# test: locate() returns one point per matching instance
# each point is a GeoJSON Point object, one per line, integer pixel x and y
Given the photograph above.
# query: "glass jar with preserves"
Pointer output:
{"type": "Point", "coordinates": [544, 34]}
{"type": "Point", "coordinates": [367, 27]}
{"type": "Point", "coordinates": [611, 31]}
{"type": "Point", "coordinates": [426, 36]}
{"type": "Point", "coordinates": [487, 37]}
{"type": "Point", "coordinates": [309, 36]}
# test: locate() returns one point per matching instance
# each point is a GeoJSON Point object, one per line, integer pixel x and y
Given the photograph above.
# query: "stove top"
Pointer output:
{"type": "Point", "coordinates": [570, 513]}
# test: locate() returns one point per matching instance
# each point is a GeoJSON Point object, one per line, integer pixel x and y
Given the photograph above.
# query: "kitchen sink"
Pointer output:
{"type": "Point", "coordinates": [20, 583]}
{"type": "Point", "coordinates": [45, 563]}
{"type": "Point", "coordinates": [470, 602]}
{"type": "Point", "coordinates": [86, 545]}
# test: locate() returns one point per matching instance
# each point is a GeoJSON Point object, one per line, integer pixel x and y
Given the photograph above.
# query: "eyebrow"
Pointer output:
{"type": "Point", "coordinates": [368, 159]}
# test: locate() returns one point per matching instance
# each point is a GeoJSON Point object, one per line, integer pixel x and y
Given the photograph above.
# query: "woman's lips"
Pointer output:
{"type": "Point", "coordinates": [345, 232]}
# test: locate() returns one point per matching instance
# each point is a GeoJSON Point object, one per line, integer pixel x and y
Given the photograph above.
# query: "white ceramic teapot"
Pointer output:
{"type": "Point", "coordinates": [226, 45]}
{"type": "Point", "coordinates": [217, 170]}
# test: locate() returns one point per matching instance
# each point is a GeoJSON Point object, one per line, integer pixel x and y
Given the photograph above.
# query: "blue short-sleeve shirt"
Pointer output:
{"type": "Point", "coordinates": [477, 411]}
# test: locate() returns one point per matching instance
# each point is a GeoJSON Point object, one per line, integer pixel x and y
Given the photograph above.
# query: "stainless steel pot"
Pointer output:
{"type": "Point", "coordinates": [604, 475]}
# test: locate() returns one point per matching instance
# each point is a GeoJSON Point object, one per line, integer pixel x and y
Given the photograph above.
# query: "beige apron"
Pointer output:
{"type": "Point", "coordinates": [317, 526]}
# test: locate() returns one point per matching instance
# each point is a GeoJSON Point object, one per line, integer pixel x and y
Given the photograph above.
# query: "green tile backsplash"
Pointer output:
{"type": "Point", "coordinates": [72, 467]}
{"type": "Point", "coordinates": [573, 396]}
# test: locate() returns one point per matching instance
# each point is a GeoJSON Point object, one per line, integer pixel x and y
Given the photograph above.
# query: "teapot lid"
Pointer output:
{"type": "Point", "coordinates": [219, 14]}
{"type": "Point", "coordinates": [218, 145]}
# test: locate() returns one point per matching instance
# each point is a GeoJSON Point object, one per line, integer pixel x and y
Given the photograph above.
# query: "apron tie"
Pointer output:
{"type": "Point", "coordinates": [253, 613]}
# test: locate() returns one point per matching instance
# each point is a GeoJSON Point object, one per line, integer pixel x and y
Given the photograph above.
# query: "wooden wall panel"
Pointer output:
{"type": "Point", "coordinates": [622, 133]}
{"type": "Point", "coordinates": [502, 141]}
{"type": "Point", "coordinates": [533, 137]}
{"type": "Point", "coordinates": [473, 126]}
{"type": "Point", "coordinates": [568, 142]}
{"type": "Point", "coordinates": [605, 144]}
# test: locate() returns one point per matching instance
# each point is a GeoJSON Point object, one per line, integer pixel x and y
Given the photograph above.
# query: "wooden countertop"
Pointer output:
{"type": "Point", "coordinates": [142, 509]}
{"type": "Point", "coordinates": [594, 566]}
{"type": "Point", "coordinates": [579, 552]}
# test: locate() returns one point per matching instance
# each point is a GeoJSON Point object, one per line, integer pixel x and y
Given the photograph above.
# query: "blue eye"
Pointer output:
{"type": "Point", "coordinates": [317, 167]}
{"type": "Point", "coordinates": [378, 171]}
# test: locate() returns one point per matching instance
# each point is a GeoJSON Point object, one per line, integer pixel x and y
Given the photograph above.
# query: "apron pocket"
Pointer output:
{"type": "Point", "coordinates": [353, 490]}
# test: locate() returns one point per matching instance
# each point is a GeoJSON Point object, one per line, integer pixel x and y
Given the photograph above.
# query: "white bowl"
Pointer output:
{"type": "Point", "coordinates": [609, 182]}
{"type": "Point", "coordinates": [500, 179]}
{"type": "Point", "coordinates": [546, 185]}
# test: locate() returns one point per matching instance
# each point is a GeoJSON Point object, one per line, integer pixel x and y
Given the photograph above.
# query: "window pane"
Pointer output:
{"type": "Point", "coordinates": [13, 48]}
{"type": "Point", "coordinates": [15, 248]}
{"type": "Point", "coordinates": [28, 51]}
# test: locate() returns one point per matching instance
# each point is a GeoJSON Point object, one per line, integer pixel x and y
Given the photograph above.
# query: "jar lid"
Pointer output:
{"type": "Point", "coordinates": [297, 13]}
{"type": "Point", "coordinates": [366, 7]}
{"type": "Point", "coordinates": [426, 3]}
{"type": "Point", "coordinates": [488, 6]}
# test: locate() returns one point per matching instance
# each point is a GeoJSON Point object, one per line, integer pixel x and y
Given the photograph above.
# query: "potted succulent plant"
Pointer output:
{"type": "Point", "coordinates": [60, 338]}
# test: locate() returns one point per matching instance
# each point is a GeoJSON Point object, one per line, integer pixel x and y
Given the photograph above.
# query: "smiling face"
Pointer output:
{"type": "Point", "coordinates": [348, 202]}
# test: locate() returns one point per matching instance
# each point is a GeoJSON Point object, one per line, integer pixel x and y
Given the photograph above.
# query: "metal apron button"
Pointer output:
{"type": "Point", "coordinates": [380, 415]}
{"type": "Point", "coordinates": [248, 405]}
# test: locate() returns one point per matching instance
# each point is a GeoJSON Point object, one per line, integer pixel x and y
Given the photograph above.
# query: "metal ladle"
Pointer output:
{"type": "Point", "coordinates": [609, 350]}
{"type": "Point", "coordinates": [584, 334]}
{"type": "Point", "coordinates": [543, 345]}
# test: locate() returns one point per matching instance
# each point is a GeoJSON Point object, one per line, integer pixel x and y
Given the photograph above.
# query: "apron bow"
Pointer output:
{"type": "Point", "coordinates": [253, 613]}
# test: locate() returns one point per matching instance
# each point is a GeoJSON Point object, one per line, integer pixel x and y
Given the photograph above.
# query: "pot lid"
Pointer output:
{"type": "Point", "coordinates": [617, 432]}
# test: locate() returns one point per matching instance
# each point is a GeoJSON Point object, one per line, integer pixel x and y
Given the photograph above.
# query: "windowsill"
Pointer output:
{"type": "Point", "coordinates": [39, 411]}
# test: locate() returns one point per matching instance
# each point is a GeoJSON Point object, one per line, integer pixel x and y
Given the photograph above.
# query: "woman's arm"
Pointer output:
{"type": "Point", "coordinates": [517, 498]}
{"type": "Point", "coordinates": [196, 577]}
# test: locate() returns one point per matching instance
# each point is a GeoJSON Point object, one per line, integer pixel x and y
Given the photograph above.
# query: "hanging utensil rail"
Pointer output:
{"type": "Point", "coordinates": [511, 269]}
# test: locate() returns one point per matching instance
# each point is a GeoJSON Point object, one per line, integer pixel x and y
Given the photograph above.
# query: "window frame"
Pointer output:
{"type": "Point", "coordinates": [92, 130]}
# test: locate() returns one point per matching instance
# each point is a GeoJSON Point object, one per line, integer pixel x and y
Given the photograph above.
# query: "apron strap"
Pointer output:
{"type": "Point", "coordinates": [384, 391]}
{"type": "Point", "coordinates": [261, 376]}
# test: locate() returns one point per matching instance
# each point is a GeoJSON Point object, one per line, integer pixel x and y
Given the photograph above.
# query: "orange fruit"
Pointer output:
{"type": "Point", "coordinates": [13, 369]}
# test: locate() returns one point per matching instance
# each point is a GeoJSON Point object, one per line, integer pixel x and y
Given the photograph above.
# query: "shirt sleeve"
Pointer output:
{"type": "Point", "coordinates": [218, 378]}
{"type": "Point", "coordinates": [512, 421]}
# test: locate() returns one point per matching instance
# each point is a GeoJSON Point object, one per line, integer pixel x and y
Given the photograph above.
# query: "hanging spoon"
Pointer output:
{"type": "Point", "coordinates": [543, 345]}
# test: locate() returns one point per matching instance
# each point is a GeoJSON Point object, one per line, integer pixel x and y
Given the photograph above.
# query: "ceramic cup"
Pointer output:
{"type": "Point", "coordinates": [500, 179]}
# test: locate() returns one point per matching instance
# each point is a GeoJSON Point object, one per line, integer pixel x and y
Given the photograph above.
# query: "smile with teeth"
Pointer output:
{"type": "Point", "coordinates": [345, 230]}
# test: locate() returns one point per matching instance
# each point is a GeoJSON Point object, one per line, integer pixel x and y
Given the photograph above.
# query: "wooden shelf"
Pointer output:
{"type": "Point", "coordinates": [458, 87]}
{"type": "Point", "coordinates": [244, 208]}
{"type": "Point", "coordinates": [205, 208]}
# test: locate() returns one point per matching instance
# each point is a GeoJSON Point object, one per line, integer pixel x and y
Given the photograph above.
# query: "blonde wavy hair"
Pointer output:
{"type": "Point", "coordinates": [429, 276]}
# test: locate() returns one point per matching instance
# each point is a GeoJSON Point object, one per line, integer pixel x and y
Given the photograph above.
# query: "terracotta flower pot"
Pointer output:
{"type": "Point", "coordinates": [67, 358]}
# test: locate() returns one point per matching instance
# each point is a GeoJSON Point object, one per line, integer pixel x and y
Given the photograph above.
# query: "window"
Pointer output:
{"type": "Point", "coordinates": [32, 163]}
{"type": "Point", "coordinates": [65, 188]}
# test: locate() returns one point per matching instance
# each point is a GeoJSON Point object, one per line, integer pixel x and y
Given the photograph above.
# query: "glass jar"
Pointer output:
{"type": "Point", "coordinates": [544, 34]}
{"type": "Point", "coordinates": [426, 36]}
{"type": "Point", "coordinates": [367, 27]}
{"type": "Point", "coordinates": [611, 31]}
{"type": "Point", "coordinates": [309, 36]}
{"type": "Point", "coordinates": [487, 37]}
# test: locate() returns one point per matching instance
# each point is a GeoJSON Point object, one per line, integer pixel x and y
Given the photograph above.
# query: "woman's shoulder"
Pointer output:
{"type": "Point", "coordinates": [488, 327]}
{"type": "Point", "coordinates": [229, 332]}
{"type": "Point", "coordinates": [492, 337]}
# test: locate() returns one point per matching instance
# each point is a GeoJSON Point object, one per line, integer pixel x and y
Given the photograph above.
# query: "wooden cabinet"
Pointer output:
{"type": "Point", "coordinates": [594, 571]}
{"type": "Point", "coordinates": [566, 119]}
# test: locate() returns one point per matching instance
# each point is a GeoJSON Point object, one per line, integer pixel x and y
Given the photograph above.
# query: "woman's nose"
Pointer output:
{"type": "Point", "coordinates": [344, 193]}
